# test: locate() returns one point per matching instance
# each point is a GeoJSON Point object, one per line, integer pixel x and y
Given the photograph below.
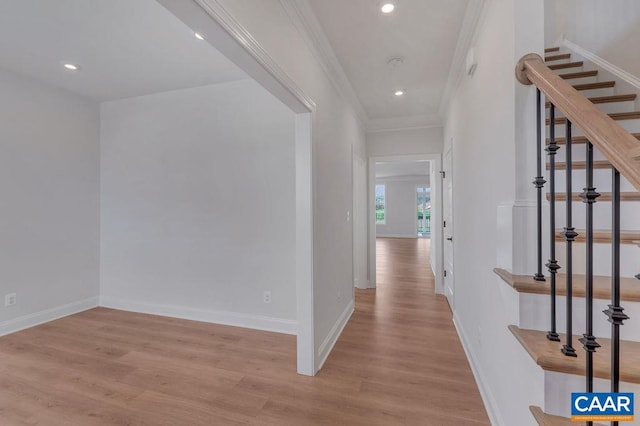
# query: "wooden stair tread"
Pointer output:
{"type": "Point", "coordinates": [580, 74]}
{"type": "Point", "coordinates": [548, 356]}
{"type": "Point", "coordinates": [614, 116]}
{"type": "Point", "coordinates": [629, 287]}
{"type": "Point", "coordinates": [597, 85]}
{"type": "Point", "coordinates": [608, 99]}
{"type": "Point", "coordinates": [582, 165]}
{"type": "Point", "coordinates": [557, 57]}
{"type": "Point", "coordinates": [566, 65]}
{"type": "Point", "coordinates": [581, 139]}
{"type": "Point", "coordinates": [551, 49]}
{"type": "Point", "coordinates": [604, 236]}
{"type": "Point", "coordinates": [545, 419]}
{"type": "Point", "coordinates": [604, 196]}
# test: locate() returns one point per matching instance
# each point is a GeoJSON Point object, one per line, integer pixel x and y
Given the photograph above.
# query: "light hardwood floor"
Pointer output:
{"type": "Point", "coordinates": [398, 362]}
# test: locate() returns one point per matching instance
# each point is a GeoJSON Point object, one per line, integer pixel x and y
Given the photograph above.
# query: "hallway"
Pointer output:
{"type": "Point", "coordinates": [398, 362]}
{"type": "Point", "coordinates": [402, 345]}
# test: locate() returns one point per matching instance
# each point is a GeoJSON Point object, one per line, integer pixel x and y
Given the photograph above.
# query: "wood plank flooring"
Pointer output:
{"type": "Point", "coordinates": [398, 362]}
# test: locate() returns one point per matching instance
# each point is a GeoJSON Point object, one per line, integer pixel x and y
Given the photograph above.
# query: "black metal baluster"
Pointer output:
{"type": "Point", "coordinates": [569, 234]}
{"type": "Point", "coordinates": [539, 183]}
{"type": "Point", "coordinates": [588, 340]}
{"type": "Point", "coordinates": [552, 265]}
{"type": "Point", "coordinates": [615, 312]}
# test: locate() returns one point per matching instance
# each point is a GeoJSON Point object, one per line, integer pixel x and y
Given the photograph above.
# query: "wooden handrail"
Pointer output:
{"type": "Point", "coordinates": [620, 147]}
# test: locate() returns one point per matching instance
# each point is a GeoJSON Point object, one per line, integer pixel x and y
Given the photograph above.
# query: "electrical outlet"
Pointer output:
{"type": "Point", "coordinates": [10, 299]}
{"type": "Point", "coordinates": [267, 297]}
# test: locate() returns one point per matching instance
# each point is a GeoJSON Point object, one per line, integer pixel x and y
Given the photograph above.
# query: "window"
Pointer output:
{"type": "Point", "coordinates": [424, 211]}
{"type": "Point", "coordinates": [380, 204]}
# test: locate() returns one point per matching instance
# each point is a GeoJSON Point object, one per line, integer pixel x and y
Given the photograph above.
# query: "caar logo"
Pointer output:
{"type": "Point", "coordinates": [608, 407]}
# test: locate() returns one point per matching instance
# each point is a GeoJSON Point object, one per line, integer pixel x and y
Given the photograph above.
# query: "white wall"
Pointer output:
{"type": "Point", "coordinates": [485, 121]}
{"type": "Point", "coordinates": [551, 37]}
{"type": "Point", "coordinates": [360, 220]}
{"type": "Point", "coordinates": [336, 128]}
{"type": "Point", "coordinates": [610, 29]}
{"type": "Point", "coordinates": [401, 207]}
{"type": "Point", "coordinates": [405, 142]}
{"type": "Point", "coordinates": [198, 205]}
{"type": "Point", "coordinates": [49, 181]}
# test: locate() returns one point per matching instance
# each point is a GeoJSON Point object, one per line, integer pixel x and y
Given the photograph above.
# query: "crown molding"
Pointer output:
{"type": "Point", "coordinates": [376, 125]}
{"type": "Point", "coordinates": [254, 49]}
{"type": "Point", "coordinates": [307, 24]}
{"type": "Point", "coordinates": [473, 18]}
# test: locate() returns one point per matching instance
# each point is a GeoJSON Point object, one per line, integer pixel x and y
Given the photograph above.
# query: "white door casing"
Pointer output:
{"type": "Point", "coordinates": [447, 227]}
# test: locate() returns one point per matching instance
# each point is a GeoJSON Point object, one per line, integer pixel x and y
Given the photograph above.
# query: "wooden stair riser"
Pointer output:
{"type": "Point", "coordinates": [551, 49]}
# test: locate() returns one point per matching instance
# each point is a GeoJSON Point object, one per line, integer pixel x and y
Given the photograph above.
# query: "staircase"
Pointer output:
{"type": "Point", "coordinates": [565, 374]}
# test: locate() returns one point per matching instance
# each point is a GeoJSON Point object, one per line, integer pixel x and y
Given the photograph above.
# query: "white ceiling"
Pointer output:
{"type": "Point", "coordinates": [125, 47]}
{"type": "Point", "coordinates": [424, 32]}
{"type": "Point", "coordinates": [402, 169]}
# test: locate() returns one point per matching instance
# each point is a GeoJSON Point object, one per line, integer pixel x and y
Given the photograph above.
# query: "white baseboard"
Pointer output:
{"type": "Point", "coordinates": [603, 63]}
{"type": "Point", "coordinates": [486, 394]}
{"type": "Point", "coordinates": [378, 235]}
{"type": "Point", "coordinates": [31, 320]}
{"type": "Point", "coordinates": [330, 341]}
{"type": "Point", "coordinates": [235, 319]}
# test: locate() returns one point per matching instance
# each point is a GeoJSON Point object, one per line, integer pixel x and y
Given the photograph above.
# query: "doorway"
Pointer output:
{"type": "Point", "coordinates": [423, 219]}
{"type": "Point", "coordinates": [408, 210]}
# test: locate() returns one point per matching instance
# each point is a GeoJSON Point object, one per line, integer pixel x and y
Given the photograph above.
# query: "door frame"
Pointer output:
{"type": "Point", "coordinates": [435, 161]}
{"type": "Point", "coordinates": [450, 297]}
{"type": "Point", "coordinates": [416, 193]}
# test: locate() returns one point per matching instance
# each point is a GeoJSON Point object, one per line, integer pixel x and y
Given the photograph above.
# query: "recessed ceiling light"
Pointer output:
{"type": "Point", "coordinates": [388, 7]}
{"type": "Point", "coordinates": [198, 36]}
{"type": "Point", "coordinates": [399, 92]}
{"type": "Point", "coordinates": [71, 67]}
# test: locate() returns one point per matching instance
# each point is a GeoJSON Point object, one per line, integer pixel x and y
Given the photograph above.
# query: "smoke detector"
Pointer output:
{"type": "Point", "coordinates": [396, 61]}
